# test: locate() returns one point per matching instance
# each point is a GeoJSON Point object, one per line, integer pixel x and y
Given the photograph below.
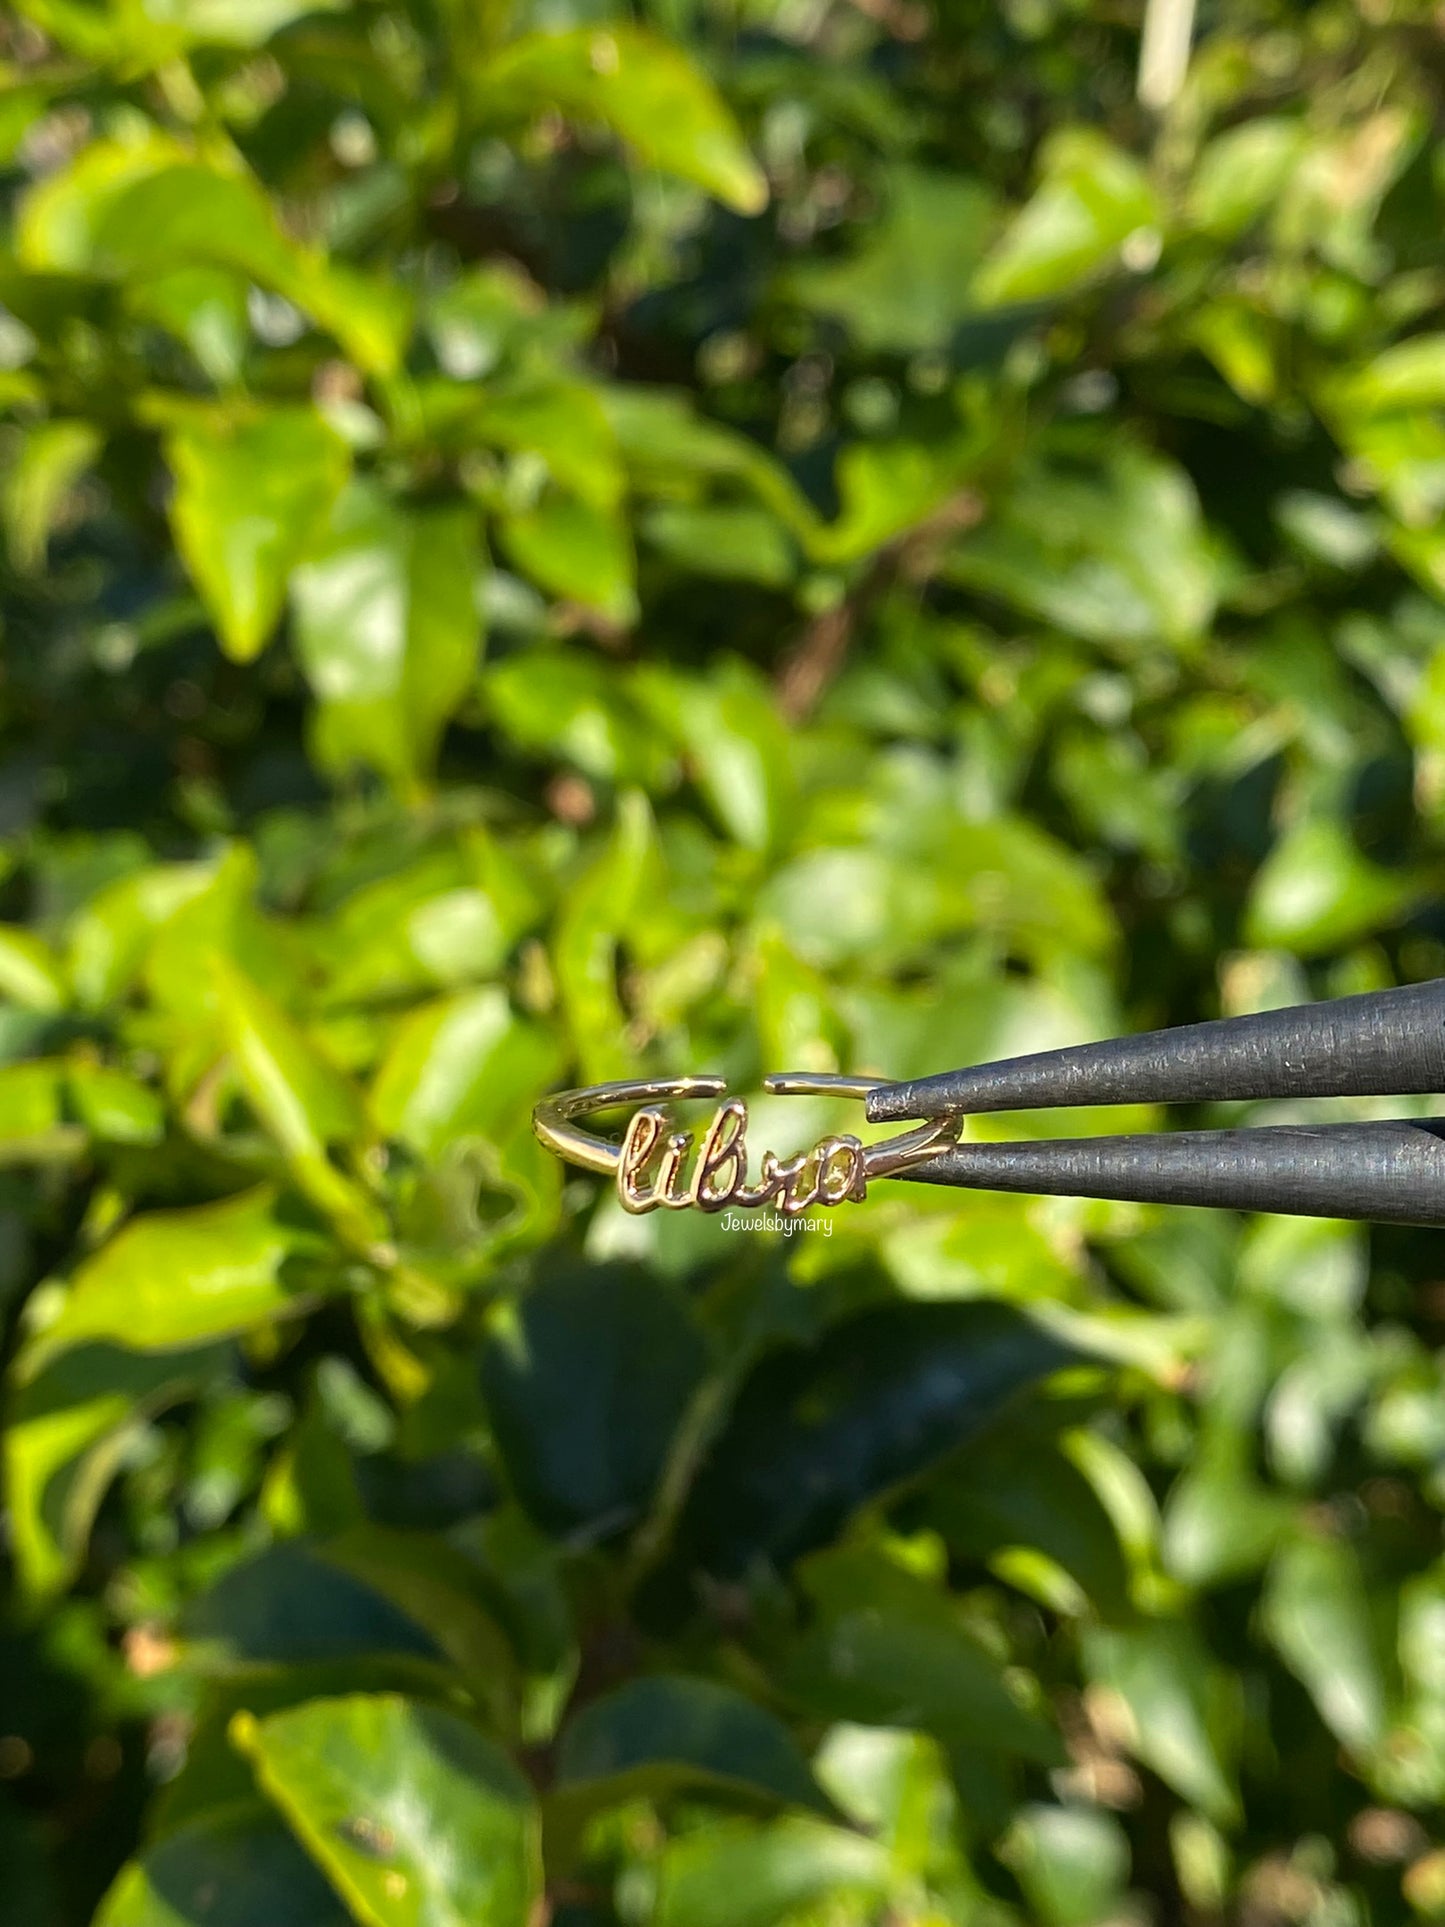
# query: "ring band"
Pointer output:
{"type": "Point", "coordinates": [650, 1162]}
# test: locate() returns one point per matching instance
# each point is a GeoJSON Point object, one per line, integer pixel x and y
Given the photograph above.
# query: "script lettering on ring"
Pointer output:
{"type": "Point", "coordinates": [653, 1159]}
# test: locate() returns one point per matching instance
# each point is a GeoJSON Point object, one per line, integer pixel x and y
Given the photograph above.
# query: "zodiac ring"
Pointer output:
{"type": "Point", "coordinates": [650, 1164]}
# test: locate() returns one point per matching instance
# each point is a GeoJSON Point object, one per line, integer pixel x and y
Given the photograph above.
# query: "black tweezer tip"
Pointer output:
{"type": "Point", "coordinates": [1377, 1044]}
{"type": "Point", "coordinates": [1389, 1172]}
{"type": "Point", "coordinates": [1382, 1043]}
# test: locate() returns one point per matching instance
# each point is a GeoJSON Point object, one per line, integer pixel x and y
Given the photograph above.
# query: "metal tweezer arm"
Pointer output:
{"type": "Point", "coordinates": [1389, 1042]}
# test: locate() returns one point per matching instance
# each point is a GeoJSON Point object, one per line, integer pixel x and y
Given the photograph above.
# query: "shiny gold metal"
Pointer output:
{"type": "Point", "coordinates": [651, 1163]}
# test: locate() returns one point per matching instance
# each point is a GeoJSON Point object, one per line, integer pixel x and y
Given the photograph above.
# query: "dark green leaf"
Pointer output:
{"type": "Point", "coordinates": [291, 1605]}
{"type": "Point", "coordinates": [814, 1434]}
{"type": "Point", "coordinates": [1015, 1491]}
{"type": "Point", "coordinates": [236, 1868]}
{"type": "Point", "coordinates": [887, 1649]}
{"type": "Point", "coordinates": [671, 1731]}
{"type": "Point", "coordinates": [583, 1431]}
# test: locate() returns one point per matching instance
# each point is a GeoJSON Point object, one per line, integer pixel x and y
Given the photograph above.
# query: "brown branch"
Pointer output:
{"type": "Point", "coordinates": [810, 667]}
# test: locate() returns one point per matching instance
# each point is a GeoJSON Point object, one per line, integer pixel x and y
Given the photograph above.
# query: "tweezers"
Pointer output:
{"type": "Point", "coordinates": [1380, 1043]}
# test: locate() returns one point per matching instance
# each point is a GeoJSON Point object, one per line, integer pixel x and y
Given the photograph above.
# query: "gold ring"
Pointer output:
{"type": "Point", "coordinates": [650, 1161]}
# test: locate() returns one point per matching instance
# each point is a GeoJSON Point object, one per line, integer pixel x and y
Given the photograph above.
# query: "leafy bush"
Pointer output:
{"type": "Point", "coordinates": [543, 545]}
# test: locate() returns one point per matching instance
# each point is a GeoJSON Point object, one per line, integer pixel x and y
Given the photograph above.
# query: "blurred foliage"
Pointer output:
{"type": "Point", "coordinates": [770, 534]}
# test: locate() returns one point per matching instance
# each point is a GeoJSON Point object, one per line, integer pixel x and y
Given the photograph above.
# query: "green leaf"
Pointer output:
{"type": "Point", "coordinates": [148, 32]}
{"type": "Point", "coordinates": [1115, 551]}
{"type": "Point", "coordinates": [29, 975]}
{"type": "Point", "coordinates": [883, 1394]}
{"type": "Point", "coordinates": [741, 1875]}
{"type": "Point", "coordinates": [1242, 173]}
{"type": "Point", "coordinates": [558, 704]}
{"type": "Point", "coordinates": [886, 489]}
{"type": "Point", "coordinates": [735, 544]}
{"type": "Point", "coordinates": [1400, 456]}
{"type": "Point", "coordinates": [1072, 1863]}
{"type": "Point", "coordinates": [170, 1279]}
{"type": "Point", "coordinates": [52, 458]}
{"type": "Point", "coordinates": [1410, 375]}
{"type": "Point", "coordinates": [442, 1591]}
{"type": "Point", "coordinates": [729, 727]}
{"type": "Point", "coordinates": [219, 918]}
{"type": "Point", "coordinates": [794, 1008]}
{"type": "Point", "coordinates": [236, 23]}
{"type": "Point", "coordinates": [447, 918]}
{"type": "Point", "coordinates": [583, 1434]}
{"type": "Point", "coordinates": [115, 1108]}
{"type": "Point", "coordinates": [238, 1867]}
{"type": "Point", "coordinates": [1242, 344]}
{"type": "Point", "coordinates": [107, 940]}
{"type": "Point", "coordinates": [34, 1128]}
{"type": "Point", "coordinates": [602, 903]}
{"type": "Point", "coordinates": [304, 1101]}
{"type": "Point", "coordinates": [1221, 1523]}
{"type": "Point", "coordinates": [577, 551]}
{"type": "Point", "coordinates": [908, 287]}
{"type": "Point", "coordinates": [70, 1420]}
{"type": "Point", "coordinates": [131, 209]}
{"type": "Point", "coordinates": [1316, 892]}
{"type": "Point", "coordinates": [134, 210]}
{"type": "Point", "coordinates": [79, 25]}
{"type": "Point", "coordinates": [484, 320]}
{"type": "Point", "coordinates": [206, 308]}
{"type": "Point", "coordinates": [668, 1731]}
{"type": "Point", "coordinates": [1325, 529]}
{"type": "Point", "coordinates": [1091, 199]}
{"type": "Point", "coordinates": [669, 449]}
{"type": "Point", "coordinates": [566, 425]}
{"type": "Point", "coordinates": [1175, 1703]}
{"type": "Point", "coordinates": [216, 1776]}
{"type": "Point", "coordinates": [366, 1593]}
{"type": "Point", "coordinates": [387, 630]}
{"type": "Point", "coordinates": [370, 317]}
{"type": "Point", "coordinates": [645, 90]}
{"type": "Point", "coordinates": [20, 108]}
{"type": "Point", "coordinates": [416, 1818]}
{"type": "Point", "coordinates": [310, 1486]}
{"type": "Point", "coordinates": [252, 497]}
{"type": "Point", "coordinates": [463, 1066]}
{"type": "Point", "coordinates": [1318, 1615]}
